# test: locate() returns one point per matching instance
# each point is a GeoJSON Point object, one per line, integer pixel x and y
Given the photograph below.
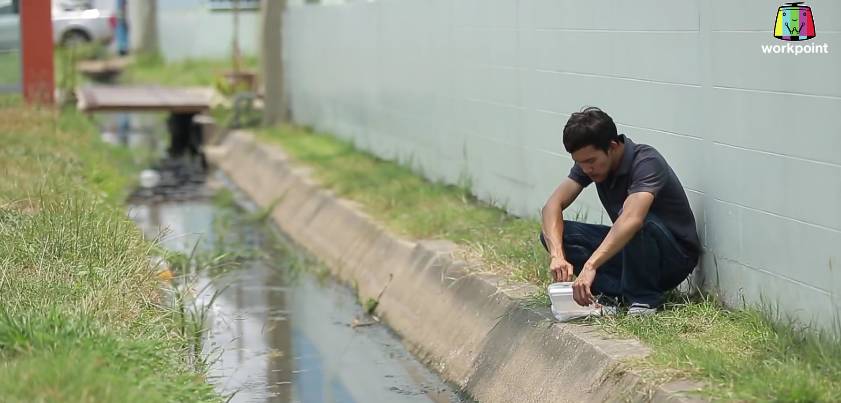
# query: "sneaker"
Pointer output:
{"type": "Point", "coordinates": [638, 309]}
{"type": "Point", "coordinates": [608, 306]}
{"type": "Point", "coordinates": [608, 310]}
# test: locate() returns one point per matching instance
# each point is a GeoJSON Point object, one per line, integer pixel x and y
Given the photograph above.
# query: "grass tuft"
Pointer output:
{"type": "Point", "coordinates": [81, 317]}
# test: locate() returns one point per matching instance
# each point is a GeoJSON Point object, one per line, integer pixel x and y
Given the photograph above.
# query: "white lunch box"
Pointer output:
{"type": "Point", "coordinates": [564, 308]}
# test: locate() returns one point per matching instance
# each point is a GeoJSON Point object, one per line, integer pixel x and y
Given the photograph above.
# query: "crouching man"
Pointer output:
{"type": "Point", "coordinates": [653, 244]}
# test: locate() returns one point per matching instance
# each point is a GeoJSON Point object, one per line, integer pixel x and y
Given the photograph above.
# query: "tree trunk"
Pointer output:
{"type": "Point", "coordinates": [235, 52]}
{"type": "Point", "coordinates": [146, 28]}
{"type": "Point", "coordinates": [276, 107]}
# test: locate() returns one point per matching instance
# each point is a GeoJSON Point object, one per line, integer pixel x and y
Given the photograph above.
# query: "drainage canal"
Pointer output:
{"type": "Point", "coordinates": [277, 329]}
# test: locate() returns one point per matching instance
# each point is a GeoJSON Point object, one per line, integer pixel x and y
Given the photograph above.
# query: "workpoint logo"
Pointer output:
{"type": "Point", "coordinates": [795, 22]}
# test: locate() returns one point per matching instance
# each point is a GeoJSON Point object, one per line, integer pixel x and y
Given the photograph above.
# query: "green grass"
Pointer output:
{"type": "Point", "coordinates": [422, 210]}
{"type": "Point", "coordinates": [67, 77]}
{"type": "Point", "coordinates": [10, 68]}
{"type": "Point", "coordinates": [148, 69]}
{"type": "Point", "coordinates": [741, 354]}
{"type": "Point", "coordinates": [82, 317]}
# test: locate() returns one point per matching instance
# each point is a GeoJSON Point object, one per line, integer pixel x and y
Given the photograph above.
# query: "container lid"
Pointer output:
{"type": "Point", "coordinates": [564, 288]}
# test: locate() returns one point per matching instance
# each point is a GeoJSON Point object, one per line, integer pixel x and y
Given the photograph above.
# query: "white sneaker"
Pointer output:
{"type": "Point", "coordinates": [608, 306]}
{"type": "Point", "coordinates": [609, 310]}
{"type": "Point", "coordinates": [638, 309]}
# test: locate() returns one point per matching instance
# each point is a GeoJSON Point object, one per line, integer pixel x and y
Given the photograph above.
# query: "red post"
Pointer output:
{"type": "Point", "coordinates": [36, 35]}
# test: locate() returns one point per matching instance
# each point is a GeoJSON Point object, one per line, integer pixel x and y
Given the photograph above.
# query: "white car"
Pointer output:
{"type": "Point", "coordinates": [74, 22]}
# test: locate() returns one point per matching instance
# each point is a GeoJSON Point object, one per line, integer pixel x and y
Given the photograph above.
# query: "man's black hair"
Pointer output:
{"type": "Point", "coordinates": [590, 127]}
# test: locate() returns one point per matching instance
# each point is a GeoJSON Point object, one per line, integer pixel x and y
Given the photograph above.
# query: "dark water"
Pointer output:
{"type": "Point", "coordinates": [278, 334]}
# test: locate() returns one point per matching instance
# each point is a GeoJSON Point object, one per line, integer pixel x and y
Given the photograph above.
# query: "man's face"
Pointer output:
{"type": "Point", "coordinates": [595, 162]}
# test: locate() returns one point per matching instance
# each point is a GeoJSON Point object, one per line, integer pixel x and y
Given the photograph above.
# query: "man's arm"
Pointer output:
{"type": "Point", "coordinates": [553, 227]}
{"type": "Point", "coordinates": [634, 210]}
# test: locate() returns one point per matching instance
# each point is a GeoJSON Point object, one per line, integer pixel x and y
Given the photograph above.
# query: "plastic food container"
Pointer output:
{"type": "Point", "coordinates": [564, 308]}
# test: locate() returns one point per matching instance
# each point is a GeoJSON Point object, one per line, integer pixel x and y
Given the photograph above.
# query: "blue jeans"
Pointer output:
{"type": "Point", "coordinates": [649, 265]}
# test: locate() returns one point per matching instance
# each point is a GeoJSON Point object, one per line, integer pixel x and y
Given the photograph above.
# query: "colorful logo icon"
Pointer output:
{"type": "Point", "coordinates": [794, 23]}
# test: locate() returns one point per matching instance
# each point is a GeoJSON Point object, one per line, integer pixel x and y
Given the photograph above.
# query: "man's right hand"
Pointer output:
{"type": "Point", "coordinates": [560, 269]}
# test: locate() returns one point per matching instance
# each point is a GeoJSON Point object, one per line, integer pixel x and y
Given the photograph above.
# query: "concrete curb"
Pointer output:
{"type": "Point", "coordinates": [470, 327]}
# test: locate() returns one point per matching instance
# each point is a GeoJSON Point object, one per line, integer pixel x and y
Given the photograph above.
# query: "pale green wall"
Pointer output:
{"type": "Point", "coordinates": [187, 29]}
{"type": "Point", "coordinates": [484, 87]}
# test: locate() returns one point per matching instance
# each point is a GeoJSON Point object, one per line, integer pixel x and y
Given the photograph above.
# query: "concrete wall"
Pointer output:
{"type": "Point", "coordinates": [482, 89]}
{"type": "Point", "coordinates": [187, 29]}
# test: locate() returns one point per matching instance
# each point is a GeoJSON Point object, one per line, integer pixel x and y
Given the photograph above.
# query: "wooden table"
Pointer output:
{"type": "Point", "coordinates": [143, 98]}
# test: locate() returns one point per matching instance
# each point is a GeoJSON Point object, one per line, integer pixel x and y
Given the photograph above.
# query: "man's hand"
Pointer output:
{"type": "Point", "coordinates": [560, 269]}
{"type": "Point", "coordinates": [581, 287]}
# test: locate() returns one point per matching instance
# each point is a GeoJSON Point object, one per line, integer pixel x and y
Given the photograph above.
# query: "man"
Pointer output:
{"type": "Point", "coordinates": [653, 244]}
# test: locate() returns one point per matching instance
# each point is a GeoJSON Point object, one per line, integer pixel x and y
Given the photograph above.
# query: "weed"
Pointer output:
{"type": "Point", "coordinates": [370, 305]}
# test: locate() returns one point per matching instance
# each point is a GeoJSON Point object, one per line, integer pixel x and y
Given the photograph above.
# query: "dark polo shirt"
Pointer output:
{"type": "Point", "coordinates": [643, 169]}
